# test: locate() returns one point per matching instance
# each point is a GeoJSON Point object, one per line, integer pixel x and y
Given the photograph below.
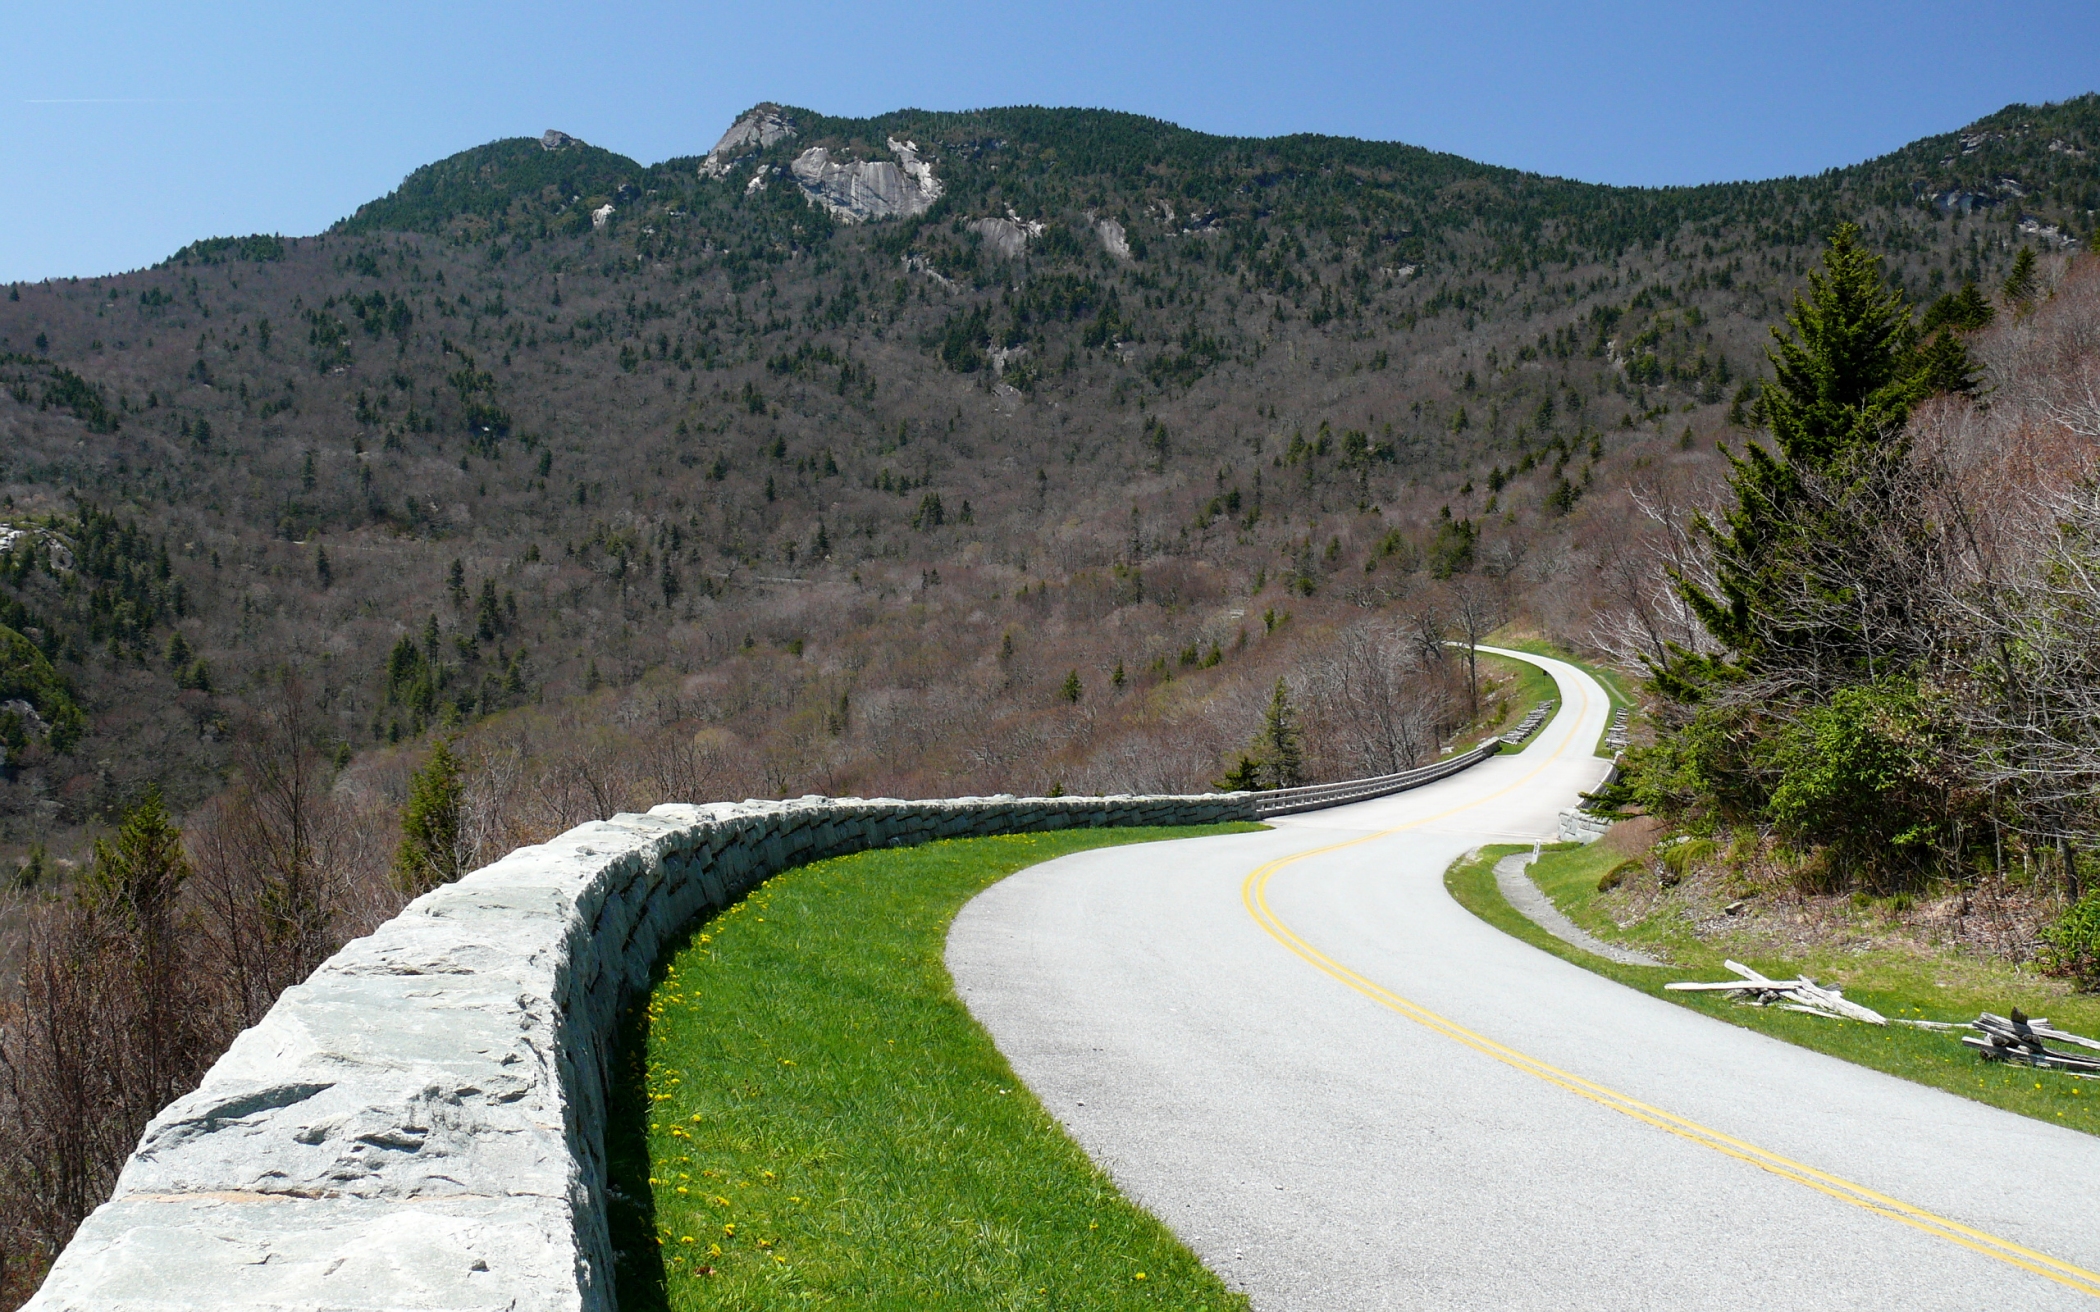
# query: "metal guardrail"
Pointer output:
{"type": "Point", "coordinates": [1311, 797]}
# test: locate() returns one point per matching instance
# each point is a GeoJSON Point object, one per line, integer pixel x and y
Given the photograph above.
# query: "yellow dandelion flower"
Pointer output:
{"type": "Point", "coordinates": [1139, 1276]}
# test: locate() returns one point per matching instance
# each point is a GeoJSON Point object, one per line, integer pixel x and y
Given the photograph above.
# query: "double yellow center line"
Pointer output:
{"type": "Point", "coordinates": [1254, 893]}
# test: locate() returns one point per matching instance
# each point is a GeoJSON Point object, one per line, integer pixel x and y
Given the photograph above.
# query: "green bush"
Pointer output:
{"type": "Point", "coordinates": [1859, 776]}
{"type": "Point", "coordinates": [1679, 858]}
{"type": "Point", "coordinates": [2072, 944]}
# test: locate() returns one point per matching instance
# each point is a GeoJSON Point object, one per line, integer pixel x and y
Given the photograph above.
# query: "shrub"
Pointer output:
{"type": "Point", "coordinates": [2072, 944]}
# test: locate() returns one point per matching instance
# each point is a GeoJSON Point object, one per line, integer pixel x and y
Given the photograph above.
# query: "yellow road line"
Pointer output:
{"type": "Point", "coordinates": [1254, 894]}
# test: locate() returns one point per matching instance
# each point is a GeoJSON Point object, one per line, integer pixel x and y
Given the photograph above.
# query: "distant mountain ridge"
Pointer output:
{"type": "Point", "coordinates": [2038, 158]}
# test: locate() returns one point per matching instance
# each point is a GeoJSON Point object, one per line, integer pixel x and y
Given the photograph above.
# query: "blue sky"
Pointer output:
{"type": "Point", "coordinates": [130, 128]}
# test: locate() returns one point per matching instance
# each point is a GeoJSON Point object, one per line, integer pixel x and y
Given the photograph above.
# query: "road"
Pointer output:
{"type": "Point", "coordinates": [1343, 1090]}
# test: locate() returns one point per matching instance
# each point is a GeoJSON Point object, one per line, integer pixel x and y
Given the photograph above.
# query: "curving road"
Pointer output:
{"type": "Point", "coordinates": [1344, 1091]}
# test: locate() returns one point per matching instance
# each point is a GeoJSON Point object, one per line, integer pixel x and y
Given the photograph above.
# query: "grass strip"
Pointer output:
{"type": "Point", "coordinates": [805, 1114]}
{"type": "Point", "coordinates": [1891, 983]}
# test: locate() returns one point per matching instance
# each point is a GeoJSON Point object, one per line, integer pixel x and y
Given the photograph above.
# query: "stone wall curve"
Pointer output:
{"type": "Point", "coordinates": [419, 1125]}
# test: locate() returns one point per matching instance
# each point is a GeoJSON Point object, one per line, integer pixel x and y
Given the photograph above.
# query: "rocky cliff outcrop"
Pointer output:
{"type": "Point", "coordinates": [756, 130]}
{"type": "Point", "coordinates": [1113, 238]}
{"type": "Point", "coordinates": [1008, 236]}
{"type": "Point", "coordinates": [553, 139]}
{"type": "Point", "coordinates": [858, 190]}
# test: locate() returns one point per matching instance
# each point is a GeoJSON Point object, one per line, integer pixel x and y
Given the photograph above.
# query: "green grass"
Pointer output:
{"type": "Point", "coordinates": [806, 1115]}
{"type": "Point", "coordinates": [1523, 686]}
{"type": "Point", "coordinates": [1894, 983]}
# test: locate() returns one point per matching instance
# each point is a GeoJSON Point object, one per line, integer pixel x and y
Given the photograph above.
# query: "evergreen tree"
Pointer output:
{"type": "Point", "coordinates": [1281, 744]}
{"type": "Point", "coordinates": [1071, 690]}
{"type": "Point", "coordinates": [488, 614]}
{"type": "Point", "coordinates": [324, 573]}
{"type": "Point", "coordinates": [1848, 371]}
{"type": "Point", "coordinates": [1966, 310]}
{"type": "Point", "coordinates": [1841, 377]}
{"type": "Point", "coordinates": [430, 852]}
{"type": "Point", "coordinates": [2021, 284]}
{"type": "Point", "coordinates": [136, 877]}
{"type": "Point", "coordinates": [1245, 776]}
{"type": "Point", "coordinates": [134, 881]}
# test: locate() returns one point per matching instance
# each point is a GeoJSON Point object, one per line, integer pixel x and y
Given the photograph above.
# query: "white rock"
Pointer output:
{"type": "Point", "coordinates": [860, 190]}
{"type": "Point", "coordinates": [602, 215]}
{"type": "Point", "coordinates": [1113, 238]}
{"type": "Point", "coordinates": [756, 130]}
{"type": "Point", "coordinates": [1008, 236]}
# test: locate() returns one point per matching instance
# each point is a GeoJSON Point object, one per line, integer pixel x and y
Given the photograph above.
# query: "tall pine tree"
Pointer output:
{"type": "Point", "coordinates": [1849, 367]}
{"type": "Point", "coordinates": [431, 852]}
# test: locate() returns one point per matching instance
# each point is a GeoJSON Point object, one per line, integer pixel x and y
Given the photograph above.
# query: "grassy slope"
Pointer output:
{"type": "Point", "coordinates": [807, 1114]}
{"type": "Point", "coordinates": [1521, 687]}
{"type": "Point", "coordinates": [1895, 984]}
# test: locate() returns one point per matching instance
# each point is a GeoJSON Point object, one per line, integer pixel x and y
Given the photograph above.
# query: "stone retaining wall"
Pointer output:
{"type": "Point", "coordinates": [420, 1124]}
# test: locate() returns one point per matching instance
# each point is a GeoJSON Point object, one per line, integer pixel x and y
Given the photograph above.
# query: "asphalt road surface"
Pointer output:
{"type": "Point", "coordinates": [1344, 1091]}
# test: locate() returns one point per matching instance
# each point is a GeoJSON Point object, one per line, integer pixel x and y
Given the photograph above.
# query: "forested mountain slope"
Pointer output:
{"type": "Point", "coordinates": [852, 439]}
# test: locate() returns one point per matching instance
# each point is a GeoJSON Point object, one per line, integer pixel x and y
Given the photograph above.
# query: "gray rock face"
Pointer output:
{"type": "Point", "coordinates": [755, 131]}
{"type": "Point", "coordinates": [1008, 236]}
{"type": "Point", "coordinates": [553, 140]}
{"type": "Point", "coordinates": [420, 1125]}
{"type": "Point", "coordinates": [860, 190]}
{"type": "Point", "coordinates": [1113, 238]}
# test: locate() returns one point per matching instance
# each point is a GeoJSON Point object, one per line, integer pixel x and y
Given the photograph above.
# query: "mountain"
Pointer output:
{"type": "Point", "coordinates": [834, 450]}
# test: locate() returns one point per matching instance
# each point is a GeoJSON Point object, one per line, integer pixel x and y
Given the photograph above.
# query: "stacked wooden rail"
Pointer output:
{"type": "Point", "coordinates": [1616, 736]}
{"type": "Point", "coordinates": [1798, 994]}
{"type": "Point", "coordinates": [2015, 1038]}
{"type": "Point", "coordinates": [2012, 1038]}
